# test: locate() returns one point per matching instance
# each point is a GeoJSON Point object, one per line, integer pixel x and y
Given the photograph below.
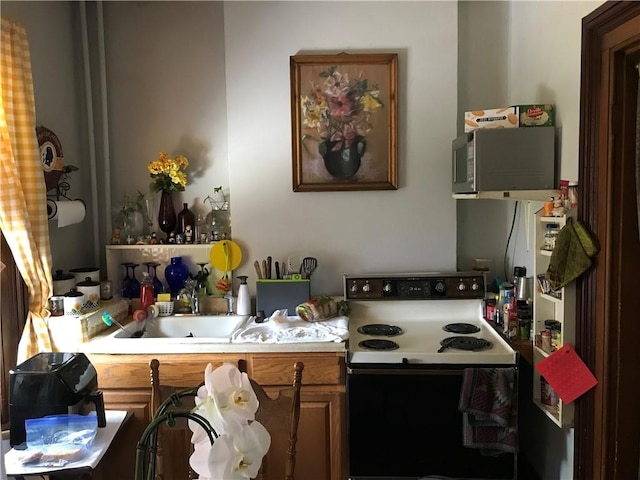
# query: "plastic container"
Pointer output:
{"type": "Point", "coordinates": [164, 308]}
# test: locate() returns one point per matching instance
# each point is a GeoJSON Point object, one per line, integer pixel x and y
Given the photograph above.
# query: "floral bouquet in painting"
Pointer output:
{"type": "Point", "coordinates": [339, 110]}
{"type": "Point", "coordinates": [168, 174]}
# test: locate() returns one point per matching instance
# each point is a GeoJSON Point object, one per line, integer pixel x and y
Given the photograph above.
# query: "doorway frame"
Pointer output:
{"type": "Point", "coordinates": [605, 444]}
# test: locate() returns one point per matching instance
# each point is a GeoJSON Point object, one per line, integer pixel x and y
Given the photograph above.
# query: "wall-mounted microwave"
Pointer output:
{"type": "Point", "coordinates": [503, 159]}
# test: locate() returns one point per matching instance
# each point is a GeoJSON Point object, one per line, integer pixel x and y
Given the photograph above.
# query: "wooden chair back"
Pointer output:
{"type": "Point", "coordinates": [279, 414]}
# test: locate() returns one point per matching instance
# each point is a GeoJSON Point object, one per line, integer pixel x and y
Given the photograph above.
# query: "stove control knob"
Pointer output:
{"type": "Point", "coordinates": [387, 287]}
{"type": "Point", "coordinates": [475, 286]}
{"type": "Point", "coordinates": [461, 286]}
{"type": "Point", "coordinates": [440, 287]}
{"type": "Point", "coordinates": [366, 287]}
{"type": "Point", "coordinates": [354, 287]}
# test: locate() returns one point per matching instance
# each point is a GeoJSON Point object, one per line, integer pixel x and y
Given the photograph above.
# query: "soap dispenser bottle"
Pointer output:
{"type": "Point", "coordinates": [244, 300]}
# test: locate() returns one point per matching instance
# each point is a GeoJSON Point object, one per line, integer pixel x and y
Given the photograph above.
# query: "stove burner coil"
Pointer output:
{"type": "Point", "coordinates": [474, 344]}
{"type": "Point", "coordinates": [464, 328]}
{"type": "Point", "coordinates": [378, 344]}
{"type": "Point", "coordinates": [380, 329]}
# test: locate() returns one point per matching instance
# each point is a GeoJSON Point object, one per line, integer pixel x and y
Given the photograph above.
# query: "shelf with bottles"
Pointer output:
{"type": "Point", "coordinates": [553, 314]}
{"type": "Point", "coordinates": [195, 257]}
{"type": "Point", "coordinates": [545, 398]}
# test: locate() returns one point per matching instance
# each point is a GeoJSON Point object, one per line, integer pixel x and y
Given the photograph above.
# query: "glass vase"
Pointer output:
{"type": "Point", "coordinates": [167, 214]}
{"type": "Point", "coordinates": [175, 274]}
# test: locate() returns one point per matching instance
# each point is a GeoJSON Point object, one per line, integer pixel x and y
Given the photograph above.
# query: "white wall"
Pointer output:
{"type": "Point", "coordinates": [166, 91]}
{"type": "Point", "coordinates": [58, 96]}
{"type": "Point", "coordinates": [543, 66]}
{"type": "Point", "coordinates": [546, 69]}
{"type": "Point", "coordinates": [410, 229]}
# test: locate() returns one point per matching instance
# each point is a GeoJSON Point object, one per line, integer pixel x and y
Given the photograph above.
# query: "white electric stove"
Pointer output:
{"type": "Point", "coordinates": [425, 318]}
{"type": "Point", "coordinates": [412, 340]}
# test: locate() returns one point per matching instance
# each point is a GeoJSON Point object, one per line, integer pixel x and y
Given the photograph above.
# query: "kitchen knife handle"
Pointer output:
{"type": "Point", "coordinates": [269, 267]}
{"type": "Point", "coordinates": [264, 269]}
{"type": "Point", "coordinates": [277, 270]}
{"type": "Point", "coordinates": [256, 265]}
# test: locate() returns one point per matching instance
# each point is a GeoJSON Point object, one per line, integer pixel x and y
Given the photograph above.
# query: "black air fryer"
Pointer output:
{"type": "Point", "coordinates": [52, 384]}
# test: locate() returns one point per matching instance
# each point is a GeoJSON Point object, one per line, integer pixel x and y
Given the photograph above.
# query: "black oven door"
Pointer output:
{"type": "Point", "coordinates": [405, 424]}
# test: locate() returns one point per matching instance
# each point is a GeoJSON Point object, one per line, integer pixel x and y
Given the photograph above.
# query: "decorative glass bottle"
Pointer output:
{"type": "Point", "coordinates": [176, 274]}
{"type": "Point", "coordinates": [146, 291]}
{"type": "Point", "coordinates": [219, 220]}
{"type": "Point", "coordinates": [166, 213]}
{"type": "Point", "coordinates": [187, 223]}
{"type": "Point", "coordinates": [157, 284]}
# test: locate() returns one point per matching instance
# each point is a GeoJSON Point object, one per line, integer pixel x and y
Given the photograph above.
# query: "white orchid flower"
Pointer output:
{"type": "Point", "coordinates": [237, 455]}
{"type": "Point", "coordinates": [229, 403]}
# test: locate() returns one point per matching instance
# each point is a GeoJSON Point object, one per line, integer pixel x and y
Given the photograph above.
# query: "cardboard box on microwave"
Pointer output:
{"type": "Point", "coordinates": [505, 117]}
{"type": "Point", "coordinates": [539, 115]}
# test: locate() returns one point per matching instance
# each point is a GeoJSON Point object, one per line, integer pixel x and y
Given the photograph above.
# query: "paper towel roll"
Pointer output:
{"type": "Point", "coordinates": [66, 212]}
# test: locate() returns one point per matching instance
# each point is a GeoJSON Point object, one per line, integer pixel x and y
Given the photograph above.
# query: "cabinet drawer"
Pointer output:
{"type": "Point", "coordinates": [319, 369]}
{"type": "Point", "coordinates": [178, 370]}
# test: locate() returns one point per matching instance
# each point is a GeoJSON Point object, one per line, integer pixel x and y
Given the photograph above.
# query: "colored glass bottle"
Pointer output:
{"type": "Point", "coordinates": [146, 291]}
{"type": "Point", "coordinates": [187, 224]}
{"type": "Point", "coordinates": [176, 274]}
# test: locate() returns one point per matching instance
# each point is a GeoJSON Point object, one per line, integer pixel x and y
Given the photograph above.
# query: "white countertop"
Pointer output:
{"type": "Point", "coordinates": [105, 343]}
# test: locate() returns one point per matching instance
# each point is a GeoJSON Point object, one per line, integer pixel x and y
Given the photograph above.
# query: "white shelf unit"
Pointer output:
{"type": "Point", "coordinates": [191, 254]}
{"type": "Point", "coordinates": [549, 307]}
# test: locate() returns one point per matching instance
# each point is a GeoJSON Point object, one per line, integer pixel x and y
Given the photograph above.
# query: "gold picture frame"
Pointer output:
{"type": "Point", "coordinates": [344, 122]}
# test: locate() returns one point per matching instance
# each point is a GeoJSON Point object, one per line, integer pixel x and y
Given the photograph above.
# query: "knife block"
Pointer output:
{"type": "Point", "coordinates": [272, 295]}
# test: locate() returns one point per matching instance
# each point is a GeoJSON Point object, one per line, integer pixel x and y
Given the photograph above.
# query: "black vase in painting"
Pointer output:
{"type": "Point", "coordinates": [340, 160]}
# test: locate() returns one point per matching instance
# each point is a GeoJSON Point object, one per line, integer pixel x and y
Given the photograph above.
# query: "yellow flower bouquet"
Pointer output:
{"type": "Point", "coordinates": [169, 174]}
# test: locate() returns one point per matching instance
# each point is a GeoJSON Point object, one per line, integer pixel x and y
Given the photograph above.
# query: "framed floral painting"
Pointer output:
{"type": "Point", "coordinates": [344, 122]}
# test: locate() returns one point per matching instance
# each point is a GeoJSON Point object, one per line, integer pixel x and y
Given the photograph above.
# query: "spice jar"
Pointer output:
{"type": "Point", "coordinates": [550, 236]}
{"type": "Point", "coordinates": [546, 340]}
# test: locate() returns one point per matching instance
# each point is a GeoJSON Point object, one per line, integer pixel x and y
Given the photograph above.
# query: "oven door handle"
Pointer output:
{"type": "Point", "coordinates": [403, 371]}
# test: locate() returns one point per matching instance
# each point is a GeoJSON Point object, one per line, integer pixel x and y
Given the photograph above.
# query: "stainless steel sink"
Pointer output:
{"type": "Point", "coordinates": [184, 328]}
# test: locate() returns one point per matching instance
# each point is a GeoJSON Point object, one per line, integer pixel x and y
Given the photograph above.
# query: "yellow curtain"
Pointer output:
{"type": "Point", "coordinates": [23, 211]}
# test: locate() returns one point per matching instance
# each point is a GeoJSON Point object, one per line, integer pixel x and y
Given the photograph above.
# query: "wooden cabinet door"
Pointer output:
{"type": "Point", "coordinates": [321, 439]}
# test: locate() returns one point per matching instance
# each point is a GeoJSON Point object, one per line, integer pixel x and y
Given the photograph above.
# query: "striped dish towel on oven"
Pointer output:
{"type": "Point", "coordinates": [489, 407]}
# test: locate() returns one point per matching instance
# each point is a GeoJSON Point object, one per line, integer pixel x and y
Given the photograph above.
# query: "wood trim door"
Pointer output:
{"type": "Point", "coordinates": [607, 419]}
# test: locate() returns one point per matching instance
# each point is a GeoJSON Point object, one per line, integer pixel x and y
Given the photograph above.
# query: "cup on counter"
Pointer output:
{"type": "Point", "coordinates": [56, 305]}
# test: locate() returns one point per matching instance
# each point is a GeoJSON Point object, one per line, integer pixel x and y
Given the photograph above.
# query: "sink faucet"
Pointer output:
{"type": "Point", "coordinates": [229, 299]}
{"type": "Point", "coordinates": [191, 294]}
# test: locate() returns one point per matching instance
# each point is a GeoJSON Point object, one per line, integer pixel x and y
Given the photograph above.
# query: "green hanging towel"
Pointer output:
{"type": "Point", "coordinates": [572, 254]}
